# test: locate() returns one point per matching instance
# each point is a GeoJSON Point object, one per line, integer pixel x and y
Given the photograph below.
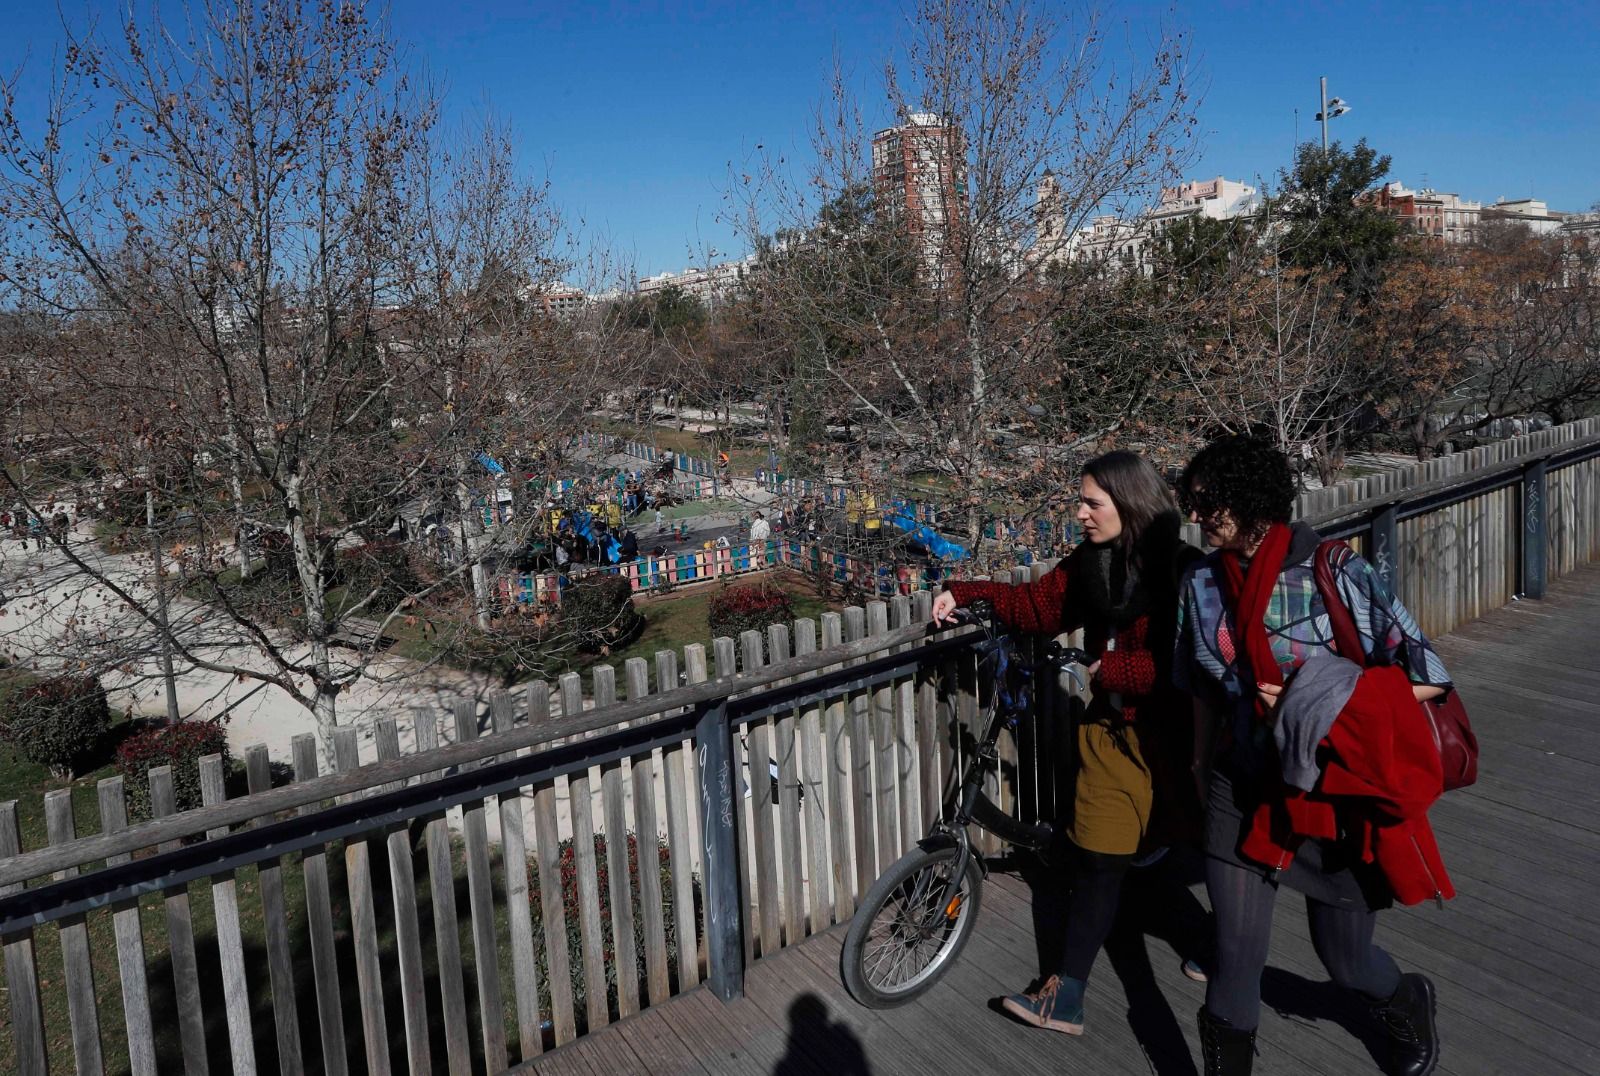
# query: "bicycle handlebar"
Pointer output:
{"type": "Point", "coordinates": [980, 615]}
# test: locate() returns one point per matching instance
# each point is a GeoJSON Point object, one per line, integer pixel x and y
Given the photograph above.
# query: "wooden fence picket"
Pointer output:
{"type": "Point", "coordinates": [363, 920]}
{"type": "Point", "coordinates": [580, 801]}
{"type": "Point", "coordinates": [614, 780]}
{"type": "Point", "coordinates": [863, 793]}
{"type": "Point", "coordinates": [319, 923]}
{"type": "Point", "coordinates": [813, 767]}
{"type": "Point", "coordinates": [837, 760]}
{"type": "Point", "coordinates": [636, 672]}
{"type": "Point", "coordinates": [280, 958]}
{"type": "Point", "coordinates": [758, 759]}
{"type": "Point", "coordinates": [681, 833]}
{"type": "Point", "coordinates": [446, 923]}
{"type": "Point", "coordinates": [82, 1012]}
{"type": "Point", "coordinates": [141, 1037]}
{"type": "Point", "coordinates": [22, 968]}
{"type": "Point", "coordinates": [881, 721]}
{"type": "Point", "coordinates": [519, 907]}
{"type": "Point", "coordinates": [785, 748]}
{"type": "Point", "coordinates": [407, 930]}
{"type": "Point", "coordinates": [480, 901]}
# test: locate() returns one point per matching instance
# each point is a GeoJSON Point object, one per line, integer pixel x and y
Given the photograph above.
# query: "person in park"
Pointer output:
{"type": "Point", "coordinates": [1132, 795]}
{"type": "Point", "coordinates": [1251, 619]}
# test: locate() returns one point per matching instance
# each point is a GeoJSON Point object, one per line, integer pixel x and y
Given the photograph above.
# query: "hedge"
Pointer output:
{"type": "Point", "coordinates": [749, 607]}
{"type": "Point", "coordinates": [180, 746]}
{"type": "Point", "coordinates": [56, 722]}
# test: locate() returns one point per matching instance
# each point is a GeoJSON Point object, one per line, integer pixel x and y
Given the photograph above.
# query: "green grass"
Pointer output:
{"type": "Point", "coordinates": [742, 459]}
{"type": "Point", "coordinates": [676, 620]}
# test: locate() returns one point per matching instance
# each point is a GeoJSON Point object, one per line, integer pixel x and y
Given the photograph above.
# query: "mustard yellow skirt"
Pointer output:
{"type": "Point", "coordinates": [1112, 801]}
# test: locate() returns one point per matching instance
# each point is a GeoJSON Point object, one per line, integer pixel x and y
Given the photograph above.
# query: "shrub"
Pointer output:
{"type": "Point", "coordinates": [598, 612]}
{"type": "Point", "coordinates": [180, 746]}
{"type": "Point", "coordinates": [569, 900]}
{"type": "Point", "coordinates": [750, 607]}
{"type": "Point", "coordinates": [58, 721]}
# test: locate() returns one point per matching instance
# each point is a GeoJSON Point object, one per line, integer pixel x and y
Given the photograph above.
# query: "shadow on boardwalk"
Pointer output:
{"type": "Point", "coordinates": [1513, 955]}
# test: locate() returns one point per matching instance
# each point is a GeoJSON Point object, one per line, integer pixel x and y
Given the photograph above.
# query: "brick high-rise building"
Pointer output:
{"type": "Point", "coordinates": [919, 172]}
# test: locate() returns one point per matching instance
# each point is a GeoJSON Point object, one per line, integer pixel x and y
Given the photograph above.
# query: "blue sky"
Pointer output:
{"type": "Point", "coordinates": [635, 110]}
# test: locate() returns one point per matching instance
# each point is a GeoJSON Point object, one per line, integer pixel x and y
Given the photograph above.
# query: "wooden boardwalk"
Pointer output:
{"type": "Point", "coordinates": [1516, 956]}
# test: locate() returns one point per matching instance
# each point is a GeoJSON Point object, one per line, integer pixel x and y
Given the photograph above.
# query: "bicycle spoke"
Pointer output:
{"type": "Point", "coordinates": [910, 931]}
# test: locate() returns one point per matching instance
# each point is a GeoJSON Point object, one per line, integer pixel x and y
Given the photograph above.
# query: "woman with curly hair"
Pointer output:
{"type": "Point", "coordinates": [1120, 586]}
{"type": "Point", "coordinates": [1251, 619]}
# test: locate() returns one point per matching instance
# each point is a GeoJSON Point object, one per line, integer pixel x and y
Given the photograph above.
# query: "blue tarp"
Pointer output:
{"type": "Point", "coordinates": [924, 535]}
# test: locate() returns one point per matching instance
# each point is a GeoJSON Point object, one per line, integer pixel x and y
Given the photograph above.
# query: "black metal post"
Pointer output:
{"type": "Point", "coordinates": [1535, 531]}
{"type": "Point", "coordinates": [1385, 550]}
{"type": "Point", "coordinates": [718, 812]}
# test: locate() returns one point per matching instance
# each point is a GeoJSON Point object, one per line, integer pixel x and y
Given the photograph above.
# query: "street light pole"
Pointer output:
{"type": "Point", "coordinates": [1329, 110]}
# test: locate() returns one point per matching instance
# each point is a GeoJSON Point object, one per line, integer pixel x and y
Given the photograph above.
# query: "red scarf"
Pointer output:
{"type": "Point", "coordinates": [1249, 593]}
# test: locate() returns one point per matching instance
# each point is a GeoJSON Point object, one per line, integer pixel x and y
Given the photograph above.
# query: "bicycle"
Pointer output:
{"type": "Point", "coordinates": [917, 917]}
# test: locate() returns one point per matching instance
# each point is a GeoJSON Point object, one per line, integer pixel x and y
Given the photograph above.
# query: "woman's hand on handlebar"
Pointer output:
{"type": "Point", "coordinates": [944, 605]}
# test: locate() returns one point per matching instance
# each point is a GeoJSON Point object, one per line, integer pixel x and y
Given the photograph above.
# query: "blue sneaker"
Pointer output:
{"type": "Point", "coordinates": [1057, 1005]}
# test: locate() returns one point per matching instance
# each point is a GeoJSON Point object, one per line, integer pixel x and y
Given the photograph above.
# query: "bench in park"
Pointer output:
{"type": "Point", "coordinates": [358, 633]}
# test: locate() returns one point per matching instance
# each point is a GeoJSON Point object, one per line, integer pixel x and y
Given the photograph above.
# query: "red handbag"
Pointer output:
{"type": "Point", "coordinates": [1452, 731]}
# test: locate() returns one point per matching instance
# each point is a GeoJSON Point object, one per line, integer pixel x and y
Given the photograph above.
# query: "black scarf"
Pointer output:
{"type": "Point", "coordinates": [1116, 590]}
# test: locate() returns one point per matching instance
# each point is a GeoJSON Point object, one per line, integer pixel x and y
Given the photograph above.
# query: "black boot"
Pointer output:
{"type": "Point", "coordinates": [1408, 1017]}
{"type": "Point", "coordinates": [1226, 1050]}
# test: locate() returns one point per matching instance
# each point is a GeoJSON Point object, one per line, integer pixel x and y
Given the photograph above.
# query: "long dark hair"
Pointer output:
{"type": "Point", "coordinates": [1137, 490]}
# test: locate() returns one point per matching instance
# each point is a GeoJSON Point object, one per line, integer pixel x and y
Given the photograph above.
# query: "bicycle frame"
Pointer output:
{"type": "Point", "coordinates": [1011, 699]}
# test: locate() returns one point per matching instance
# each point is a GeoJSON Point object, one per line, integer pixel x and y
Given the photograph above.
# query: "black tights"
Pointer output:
{"type": "Point", "coordinates": [1091, 907]}
{"type": "Point", "coordinates": [1242, 902]}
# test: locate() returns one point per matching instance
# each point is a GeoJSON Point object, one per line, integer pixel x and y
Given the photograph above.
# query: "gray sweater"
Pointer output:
{"type": "Point", "coordinates": [1311, 703]}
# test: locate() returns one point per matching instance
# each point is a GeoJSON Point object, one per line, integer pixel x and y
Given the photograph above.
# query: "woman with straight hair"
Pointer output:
{"type": "Point", "coordinates": [1278, 716]}
{"type": "Point", "coordinates": [1120, 586]}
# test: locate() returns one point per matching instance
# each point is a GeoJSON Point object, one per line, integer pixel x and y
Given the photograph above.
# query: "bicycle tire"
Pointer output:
{"type": "Point", "coordinates": [899, 883]}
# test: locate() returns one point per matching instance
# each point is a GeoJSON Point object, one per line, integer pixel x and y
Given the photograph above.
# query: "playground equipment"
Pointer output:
{"type": "Point", "coordinates": [900, 516]}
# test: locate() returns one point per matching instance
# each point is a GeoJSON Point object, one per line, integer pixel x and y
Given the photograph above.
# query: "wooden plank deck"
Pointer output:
{"type": "Point", "coordinates": [1514, 956]}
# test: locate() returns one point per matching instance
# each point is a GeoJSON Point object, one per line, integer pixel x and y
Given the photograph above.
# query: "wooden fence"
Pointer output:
{"type": "Point", "coordinates": [491, 885]}
{"type": "Point", "coordinates": [1466, 533]}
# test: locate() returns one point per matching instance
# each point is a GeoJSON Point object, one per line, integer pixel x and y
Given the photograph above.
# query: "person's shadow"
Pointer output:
{"type": "Point", "coordinates": [819, 1045]}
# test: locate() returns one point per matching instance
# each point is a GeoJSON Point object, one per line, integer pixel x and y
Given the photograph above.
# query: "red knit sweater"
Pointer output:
{"type": "Point", "coordinates": [1046, 606]}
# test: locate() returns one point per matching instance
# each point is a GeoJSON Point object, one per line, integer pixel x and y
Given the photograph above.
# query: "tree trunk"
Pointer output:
{"type": "Point", "coordinates": [236, 483]}
{"type": "Point", "coordinates": [308, 568]}
{"type": "Point", "coordinates": [472, 546]}
{"type": "Point", "coordinates": [167, 677]}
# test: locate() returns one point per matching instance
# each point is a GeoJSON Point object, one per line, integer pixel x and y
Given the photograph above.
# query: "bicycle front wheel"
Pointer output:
{"type": "Point", "coordinates": [906, 934]}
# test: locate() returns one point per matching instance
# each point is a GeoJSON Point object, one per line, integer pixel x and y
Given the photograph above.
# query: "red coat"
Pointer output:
{"type": "Point", "coordinates": [1381, 773]}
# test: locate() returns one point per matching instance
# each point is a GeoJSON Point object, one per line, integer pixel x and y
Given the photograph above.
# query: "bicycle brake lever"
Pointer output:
{"type": "Point", "coordinates": [1077, 677]}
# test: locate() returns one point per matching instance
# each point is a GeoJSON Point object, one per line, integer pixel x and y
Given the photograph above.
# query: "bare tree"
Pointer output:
{"type": "Point", "coordinates": [289, 311]}
{"type": "Point", "coordinates": [923, 311]}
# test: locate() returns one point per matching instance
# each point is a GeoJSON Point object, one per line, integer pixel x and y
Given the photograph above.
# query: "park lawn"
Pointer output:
{"type": "Point", "coordinates": [673, 621]}
{"type": "Point", "coordinates": [742, 459]}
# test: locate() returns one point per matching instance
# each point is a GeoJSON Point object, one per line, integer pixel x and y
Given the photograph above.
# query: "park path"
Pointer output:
{"type": "Point", "coordinates": [53, 610]}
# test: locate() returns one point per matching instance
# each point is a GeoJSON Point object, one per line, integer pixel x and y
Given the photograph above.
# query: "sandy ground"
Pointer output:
{"type": "Point", "coordinates": [56, 616]}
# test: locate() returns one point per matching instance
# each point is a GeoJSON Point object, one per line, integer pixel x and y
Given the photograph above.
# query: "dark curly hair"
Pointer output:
{"type": "Point", "coordinates": [1244, 476]}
